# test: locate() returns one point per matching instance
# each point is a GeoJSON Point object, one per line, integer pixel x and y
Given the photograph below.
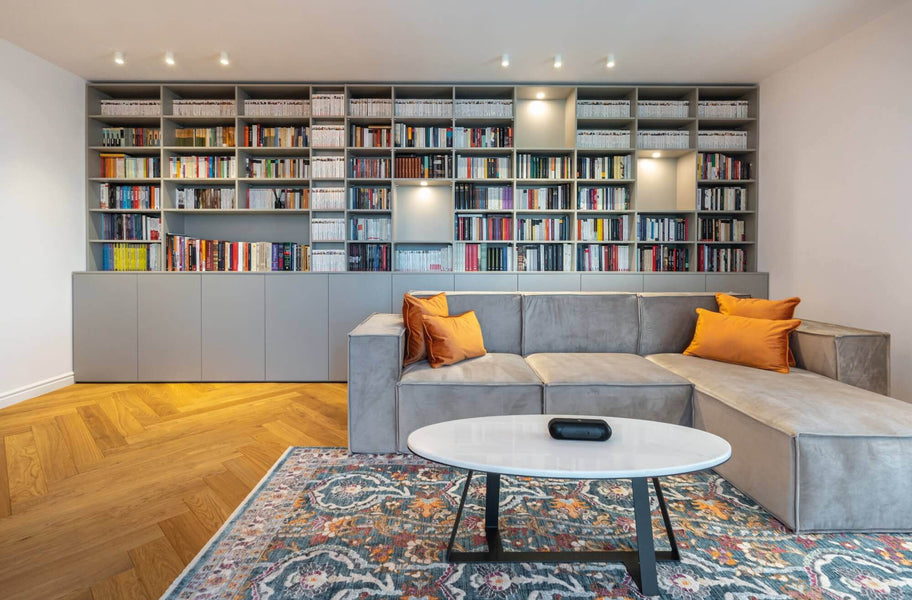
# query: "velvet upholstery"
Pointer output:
{"type": "Point", "coordinates": [499, 313]}
{"type": "Point", "coordinates": [579, 322]}
{"type": "Point", "coordinates": [667, 321]}
{"type": "Point", "coordinates": [857, 357]}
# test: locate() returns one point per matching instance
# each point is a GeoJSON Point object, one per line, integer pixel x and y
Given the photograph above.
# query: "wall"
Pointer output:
{"type": "Point", "coordinates": [835, 156]}
{"type": "Point", "coordinates": [42, 220]}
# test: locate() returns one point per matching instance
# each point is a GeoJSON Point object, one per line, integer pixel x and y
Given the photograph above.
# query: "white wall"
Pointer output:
{"type": "Point", "coordinates": [836, 184]}
{"type": "Point", "coordinates": [42, 220]}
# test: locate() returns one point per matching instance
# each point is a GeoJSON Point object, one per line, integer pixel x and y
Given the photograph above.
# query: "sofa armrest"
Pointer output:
{"type": "Point", "coordinates": [854, 356]}
{"type": "Point", "coordinates": [376, 348]}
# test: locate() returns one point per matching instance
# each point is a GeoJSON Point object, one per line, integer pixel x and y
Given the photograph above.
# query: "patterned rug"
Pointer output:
{"type": "Point", "coordinates": [324, 524]}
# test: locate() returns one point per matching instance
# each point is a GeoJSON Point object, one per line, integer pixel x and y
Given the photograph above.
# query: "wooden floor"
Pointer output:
{"type": "Point", "coordinates": [107, 491]}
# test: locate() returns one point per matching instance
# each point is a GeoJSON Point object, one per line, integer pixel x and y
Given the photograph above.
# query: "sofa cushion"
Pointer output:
{"type": "Point", "coordinates": [667, 321]}
{"type": "Point", "coordinates": [818, 454]}
{"type": "Point", "coordinates": [612, 385]}
{"type": "Point", "coordinates": [579, 322]}
{"type": "Point", "coordinates": [494, 384]}
{"type": "Point", "coordinates": [499, 313]}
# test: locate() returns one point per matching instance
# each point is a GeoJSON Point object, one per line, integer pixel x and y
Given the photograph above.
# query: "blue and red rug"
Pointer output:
{"type": "Point", "coordinates": [327, 525]}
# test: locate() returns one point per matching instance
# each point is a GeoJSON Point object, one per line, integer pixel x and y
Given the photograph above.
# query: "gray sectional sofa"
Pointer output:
{"type": "Point", "coordinates": [822, 448]}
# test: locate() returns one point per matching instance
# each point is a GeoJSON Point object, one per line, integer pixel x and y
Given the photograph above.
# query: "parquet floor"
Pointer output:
{"type": "Point", "coordinates": [108, 490]}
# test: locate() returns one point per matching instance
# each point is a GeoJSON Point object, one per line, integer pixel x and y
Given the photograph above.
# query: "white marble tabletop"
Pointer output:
{"type": "Point", "coordinates": [521, 445]}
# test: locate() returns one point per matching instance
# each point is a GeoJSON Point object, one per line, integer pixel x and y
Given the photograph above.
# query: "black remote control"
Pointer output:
{"type": "Point", "coordinates": [594, 430]}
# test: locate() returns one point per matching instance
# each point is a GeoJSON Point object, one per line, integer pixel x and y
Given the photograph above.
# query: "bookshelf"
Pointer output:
{"type": "Point", "coordinates": [429, 178]}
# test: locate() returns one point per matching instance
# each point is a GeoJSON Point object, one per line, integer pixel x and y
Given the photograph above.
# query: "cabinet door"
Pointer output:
{"type": "Point", "coordinates": [352, 298]}
{"type": "Point", "coordinates": [170, 328]}
{"type": "Point", "coordinates": [549, 282]}
{"type": "Point", "coordinates": [674, 282]}
{"type": "Point", "coordinates": [418, 282]}
{"type": "Point", "coordinates": [297, 329]}
{"type": "Point", "coordinates": [104, 327]}
{"type": "Point", "coordinates": [486, 282]}
{"type": "Point", "coordinates": [611, 282]}
{"type": "Point", "coordinates": [755, 284]}
{"type": "Point", "coordinates": [234, 328]}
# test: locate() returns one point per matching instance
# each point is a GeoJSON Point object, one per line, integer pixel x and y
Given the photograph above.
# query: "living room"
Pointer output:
{"type": "Point", "coordinates": [479, 300]}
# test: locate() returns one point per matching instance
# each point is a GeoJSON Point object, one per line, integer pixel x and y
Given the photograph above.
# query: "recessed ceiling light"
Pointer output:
{"type": "Point", "coordinates": [558, 61]}
{"type": "Point", "coordinates": [505, 60]}
{"type": "Point", "coordinates": [610, 62]}
{"type": "Point", "coordinates": [540, 95]}
{"type": "Point", "coordinates": [169, 59]}
{"type": "Point", "coordinates": [223, 58]}
{"type": "Point", "coordinates": [424, 184]}
{"type": "Point", "coordinates": [119, 58]}
{"type": "Point", "coordinates": [657, 155]}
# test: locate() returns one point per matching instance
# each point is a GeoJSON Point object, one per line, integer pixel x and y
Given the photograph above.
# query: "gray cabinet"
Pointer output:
{"type": "Point", "coordinates": [170, 327]}
{"type": "Point", "coordinates": [486, 282]}
{"type": "Point", "coordinates": [234, 347]}
{"type": "Point", "coordinates": [412, 282]}
{"type": "Point", "coordinates": [611, 282]}
{"type": "Point", "coordinates": [352, 297]}
{"type": "Point", "coordinates": [755, 284]}
{"type": "Point", "coordinates": [296, 328]}
{"type": "Point", "coordinates": [674, 282]}
{"type": "Point", "coordinates": [104, 327]}
{"type": "Point", "coordinates": [549, 282]}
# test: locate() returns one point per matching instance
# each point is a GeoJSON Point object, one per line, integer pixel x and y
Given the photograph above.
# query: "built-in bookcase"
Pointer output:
{"type": "Point", "coordinates": [424, 177]}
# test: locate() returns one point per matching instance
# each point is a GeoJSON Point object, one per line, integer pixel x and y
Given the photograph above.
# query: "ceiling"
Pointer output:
{"type": "Point", "coordinates": [654, 41]}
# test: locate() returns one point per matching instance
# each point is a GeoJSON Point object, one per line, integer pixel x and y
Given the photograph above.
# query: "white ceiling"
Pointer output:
{"type": "Point", "coordinates": [699, 41]}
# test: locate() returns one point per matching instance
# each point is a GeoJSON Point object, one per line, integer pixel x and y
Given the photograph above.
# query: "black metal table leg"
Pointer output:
{"type": "Point", "coordinates": [646, 576]}
{"type": "Point", "coordinates": [492, 514]}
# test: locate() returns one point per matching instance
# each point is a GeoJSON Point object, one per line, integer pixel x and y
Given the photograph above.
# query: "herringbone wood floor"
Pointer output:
{"type": "Point", "coordinates": [108, 490]}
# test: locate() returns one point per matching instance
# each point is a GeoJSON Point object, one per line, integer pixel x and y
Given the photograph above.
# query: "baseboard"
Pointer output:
{"type": "Point", "coordinates": [36, 389]}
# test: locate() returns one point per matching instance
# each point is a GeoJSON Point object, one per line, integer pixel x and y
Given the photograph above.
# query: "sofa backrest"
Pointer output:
{"type": "Point", "coordinates": [579, 322]}
{"type": "Point", "coordinates": [667, 321]}
{"type": "Point", "coordinates": [499, 314]}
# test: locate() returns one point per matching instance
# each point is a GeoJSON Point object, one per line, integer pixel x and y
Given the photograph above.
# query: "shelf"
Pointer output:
{"type": "Point", "coordinates": [605, 123]}
{"type": "Point", "coordinates": [663, 122]}
{"type": "Point", "coordinates": [367, 121]}
{"type": "Point", "coordinates": [239, 211]}
{"type": "Point", "coordinates": [662, 243]}
{"type": "Point", "coordinates": [142, 150]}
{"type": "Point", "coordinates": [546, 211]}
{"type": "Point", "coordinates": [501, 151]}
{"type": "Point", "coordinates": [544, 241]}
{"type": "Point", "coordinates": [274, 120]}
{"type": "Point", "coordinates": [276, 150]}
{"type": "Point", "coordinates": [525, 181]}
{"type": "Point", "coordinates": [726, 151]}
{"type": "Point", "coordinates": [484, 210]}
{"type": "Point", "coordinates": [665, 152]}
{"type": "Point", "coordinates": [438, 181]}
{"type": "Point", "coordinates": [491, 180]}
{"type": "Point", "coordinates": [405, 150]}
{"type": "Point", "coordinates": [116, 121]}
{"type": "Point", "coordinates": [366, 150]}
{"type": "Point", "coordinates": [124, 241]}
{"type": "Point", "coordinates": [200, 149]}
{"type": "Point", "coordinates": [590, 182]}
{"type": "Point", "coordinates": [222, 180]}
{"type": "Point", "coordinates": [604, 151]}
{"type": "Point", "coordinates": [581, 211]}
{"type": "Point", "coordinates": [125, 179]}
{"type": "Point", "coordinates": [724, 181]}
{"type": "Point", "coordinates": [720, 122]}
{"type": "Point", "coordinates": [613, 242]}
{"type": "Point", "coordinates": [125, 210]}
{"type": "Point", "coordinates": [370, 180]}
{"type": "Point", "coordinates": [726, 212]}
{"type": "Point", "coordinates": [742, 243]}
{"type": "Point", "coordinates": [428, 242]}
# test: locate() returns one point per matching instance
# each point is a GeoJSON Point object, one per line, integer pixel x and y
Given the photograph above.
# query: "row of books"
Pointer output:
{"type": "Point", "coordinates": [290, 168]}
{"type": "Point", "coordinates": [662, 229]}
{"type": "Point", "coordinates": [204, 167]}
{"type": "Point", "coordinates": [470, 196]}
{"type": "Point", "coordinates": [204, 108]}
{"type": "Point", "coordinates": [409, 136]}
{"type": "Point", "coordinates": [205, 198]}
{"type": "Point", "coordinates": [552, 197]}
{"type": "Point", "coordinates": [603, 138]}
{"type": "Point", "coordinates": [130, 227]}
{"type": "Point", "coordinates": [615, 197]}
{"type": "Point", "coordinates": [123, 166]}
{"type": "Point", "coordinates": [544, 257]}
{"type": "Point", "coordinates": [426, 166]}
{"type": "Point", "coordinates": [424, 107]}
{"type": "Point", "coordinates": [602, 109]}
{"type": "Point", "coordinates": [277, 108]}
{"type": "Point", "coordinates": [501, 108]}
{"type": "Point", "coordinates": [129, 197]}
{"type": "Point", "coordinates": [113, 137]}
{"type": "Point", "coordinates": [323, 198]}
{"type": "Point", "coordinates": [371, 136]}
{"type": "Point", "coordinates": [328, 167]}
{"type": "Point", "coordinates": [191, 254]}
{"type": "Point", "coordinates": [719, 167]}
{"type": "Point", "coordinates": [717, 139]}
{"type": "Point", "coordinates": [605, 229]}
{"type": "Point", "coordinates": [675, 109]}
{"type": "Point", "coordinates": [483, 137]}
{"type": "Point", "coordinates": [369, 198]}
{"type": "Point", "coordinates": [541, 229]}
{"type": "Point", "coordinates": [721, 260]}
{"type": "Point", "coordinates": [264, 136]}
{"type": "Point", "coordinates": [130, 257]}
{"type": "Point", "coordinates": [534, 166]}
{"type": "Point", "coordinates": [603, 257]}
{"type": "Point", "coordinates": [327, 136]}
{"type": "Point", "coordinates": [374, 167]}
{"type": "Point", "coordinates": [722, 198]}
{"type": "Point", "coordinates": [664, 258]}
{"type": "Point", "coordinates": [425, 259]}
{"type": "Point", "coordinates": [327, 259]}
{"type": "Point", "coordinates": [482, 257]}
{"type": "Point", "coordinates": [722, 109]}
{"type": "Point", "coordinates": [604, 167]}
{"type": "Point", "coordinates": [663, 139]}
{"type": "Point", "coordinates": [483, 227]}
{"type": "Point", "coordinates": [370, 229]}
{"type": "Point", "coordinates": [370, 107]}
{"type": "Point", "coordinates": [483, 167]}
{"type": "Point", "coordinates": [278, 198]}
{"type": "Point", "coordinates": [131, 107]}
{"type": "Point", "coordinates": [331, 104]}
{"type": "Point", "coordinates": [327, 229]}
{"type": "Point", "coordinates": [206, 137]}
{"type": "Point", "coordinates": [369, 257]}
{"type": "Point", "coordinates": [716, 229]}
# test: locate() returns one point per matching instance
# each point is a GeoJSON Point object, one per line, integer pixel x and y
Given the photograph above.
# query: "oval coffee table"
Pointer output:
{"type": "Point", "coordinates": [520, 445]}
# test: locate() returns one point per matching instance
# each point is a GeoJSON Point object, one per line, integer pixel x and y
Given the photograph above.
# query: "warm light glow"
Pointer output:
{"type": "Point", "coordinates": [119, 58]}
{"type": "Point", "coordinates": [424, 184]}
{"type": "Point", "coordinates": [223, 58]}
{"type": "Point", "coordinates": [610, 62]}
{"type": "Point", "coordinates": [505, 60]}
{"type": "Point", "coordinates": [540, 95]}
{"type": "Point", "coordinates": [169, 59]}
{"type": "Point", "coordinates": [558, 61]}
{"type": "Point", "coordinates": [657, 155]}
{"type": "Point", "coordinates": [537, 107]}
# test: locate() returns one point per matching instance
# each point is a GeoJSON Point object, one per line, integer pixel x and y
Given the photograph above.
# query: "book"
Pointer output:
{"type": "Point", "coordinates": [204, 108]}
{"type": "Point", "coordinates": [130, 257]}
{"type": "Point", "coordinates": [544, 257]}
{"type": "Point", "coordinates": [602, 257]}
{"type": "Point", "coordinates": [551, 197]}
{"type": "Point", "coordinates": [483, 137]}
{"type": "Point", "coordinates": [370, 167]}
{"type": "Point", "coordinates": [369, 257]}
{"type": "Point", "coordinates": [204, 137]}
{"type": "Point", "coordinates": [613, 197]}
{"type": "Point", "coordinates": [720, 167]}
{"type": "Point", "coordinates": [472, 196]}
{"type": "Point", "coordinates": [203, 167]}
{"type": "Point", "coordinates": [186, 253]}
{"type": "Point", "coordinates": [719, 139]}
{"type": "Point", "coordinates": [721, 229]}
{"type": "Point", "coordinates": [721, 259]}
{"type": "Point", "coordinates": [328, 104]}
{"type": "Point", "coordinates": [663, 139]}
{"type": "Point", "coordinates": [409, 136]}
{"type": "Point", "coordinates": [603, 138]}
{"type": "Point", "coordinates": [130, 227]}
{"type": "Point", "coordinates": [261, 198]}
{"type": "Point", "coordinates": [277, 108]}
{"type": "Point", "coordinates": [123, 166]}
{"type": "Point", "coordinates": [543, 229]}
{"type": "Point", "coordinates": [327, 229]}
{"type": "Point", "coordinates": [265, 136]}
{"type": "Point", "coordinates": [205, 198]}
{"type": "Point", "coordinates": [371, 136]}
{"type": "Point", "coordinates": [370, 229]}
{"type": "Point", "coordinates": [482, 257]}
{"type": "Point", "coordinates": [328, 167]}
{"type": "Point", "coordinates": [662, 229]}
{"type": "Point", "coordinates": [537, 166]}
{"type": "Point", "coordinates": [722, 198]}
{"type": "Point", "coordinates": [331, 198]}
{"type": "Point", "coordinates": [603, 229]}
{"type": "Point", "coordinates": [130, 107]}
{"type": "Point", "coordinates": [130, 197]}
{"type": "Point", "coordinates": [436, 259]}
{"type": "Point", "coordinates": [722, 109]}
{"type": "Point", "coordinates": [664, 258]}
{"type": "Point", "coordinates": [369, 198]}
{"type": "Point", "coordinates": [327, 259]}
{"type": "Point", "coordinates": [327, 136]}
{"type": "Point", "coordinates": [113, 137]}
{"type": "Point", "coordinates": [424, 166]}
{"type": "Point", "coordinates": [484, 107]}
{"type": "Point", "coordinates": [483, 227]}
{"type": "Point", "coordinates": [483, 167]}
{"type": "Point", "coordinates": [602, 109]}
{"type": "Point", "coordinates": [370, 107]}
{"type": "Point", "coordinates": [277, 168]}
{"type": "Point", "coordinates": [675, 109]}
{"type": "Point", "coordinates": [424, 107]}
{"type": "Point", "coordinates": [604, 167]}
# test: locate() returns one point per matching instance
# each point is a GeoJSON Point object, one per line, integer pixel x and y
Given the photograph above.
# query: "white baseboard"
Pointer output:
{"type": "Point", "coordinates": [36, 389]}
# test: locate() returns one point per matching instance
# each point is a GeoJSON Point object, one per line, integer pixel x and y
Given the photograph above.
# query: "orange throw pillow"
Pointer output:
{"type": "Point", "coordinates": [412, 310]}
{"type": "Point", "coordinates": [758, 308]}
{"type": "Point", "coordinates": [453, 339]}
{"type": "Point", "coordinates": [760, 343]}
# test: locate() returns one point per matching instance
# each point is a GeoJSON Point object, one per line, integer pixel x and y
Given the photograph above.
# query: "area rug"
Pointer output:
{"type": "Point", "coordinates": [326, 524]}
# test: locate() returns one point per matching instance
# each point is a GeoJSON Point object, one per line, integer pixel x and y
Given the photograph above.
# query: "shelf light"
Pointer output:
{"type": "Point", "coordinates": [505, 60]}
{"type": "Point", "coordinates": [657, 155]}
{"type": "Point", "coordinates": [119, 58]}
{"type": "Point", "coordinates": [423, 183]}
{"type": "Point", "coordinates": [558, 61]}
{"type": "Point", "coordinates": [540, 95]}
{"type": "Point", "coordinates": [223, 59]}
{"type": "Point", "coordinates": [610, 62]}
{"type": "Point", "coordinates": [169, 59]}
